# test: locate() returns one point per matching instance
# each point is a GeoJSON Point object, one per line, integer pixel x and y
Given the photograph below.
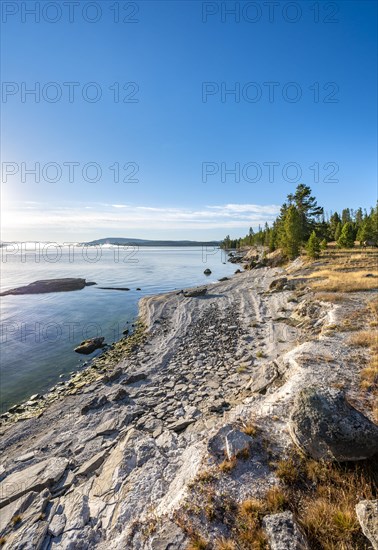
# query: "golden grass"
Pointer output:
{"type": "Point", "coordinates": [196, 542]}
{"type": "Point", "coordinates": [332, 297]}
{"type": "Point", "coordinates": [341, 281]}
{"type": "Point", "coordinates": [364, 338]}
{"type": "Point", "coordinates": [324, 496]}
{"type": "Point", "coordinates": [250, 429]}
{"type": "Point", "coordinates": [225, 544]}
{"type": "Point", "coordinates": [287, 471]}
{"type": "Point", "coordinates": [228, 465]}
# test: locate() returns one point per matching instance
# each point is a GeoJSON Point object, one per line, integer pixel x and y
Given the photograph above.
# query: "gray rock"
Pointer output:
{"type": "Point", "coordinates": [134, 378]}
{"type": "Point", "coordinates": [325, 426]}
{"type": "Point", "coordinates": [94, 403]}
{"type": "Point", "coordinates": [168, 537]}
{"type": "Point", "coordinates": [34, 478]}
{"type": "Point", "coordinates": [90, 345]}
{"type": "Point", "coordinates": [57, 524]}
{"type": "Point", "coordinates": [263, 376]}
{"type": "Point", "coordinates": [181, 425]}
{"type": "Point", "coordinates": [207, 271]}
{"type": "Point", "coordinates": [92, 464]}
{"type": "Point", "coordinates": [367, 514]}
{"type": "Point", "coordinates": [281, 284]}
{"type": "Point", "coordinates": [283, 532]}
{"type": "Point", "coordinates": [229, 442]}
{"type": "Point", "coordinates": [192, 293]}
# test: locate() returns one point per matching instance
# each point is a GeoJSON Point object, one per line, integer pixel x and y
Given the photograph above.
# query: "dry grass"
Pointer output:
{"type": "Point", "coordinates": [227, 465]}
{"type": "Point", "coordinates": [16, 520]}
{"type": "Point", "coordinates": [250, 429]}
{"type": "Point", "coordinates": [196, 542]}
{"type": "Point", "coordinates": [225, 544]}
{"type": "Point", "coordinates": [332, 297]}
{"type": "Point", "coordinates": [286, 471]}
{"type": "Point", "coordinates": [324, 497]}
{"type": "Point", "coordinates": [364, 338]}
{"type": "Point", "coordinates": [341, 281]}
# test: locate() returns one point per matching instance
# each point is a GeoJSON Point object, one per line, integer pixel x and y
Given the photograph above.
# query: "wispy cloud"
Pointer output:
{"type": "Point", "coordinates": [123, 218]}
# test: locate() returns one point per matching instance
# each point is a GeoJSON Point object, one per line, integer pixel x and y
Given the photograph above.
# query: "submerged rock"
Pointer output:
{"type": "Point", "coordinates": [49, 285]}
{"type": "Point", "coordinates": [325, 426]}
{"type": "Point", "coordinates": [367, 514]}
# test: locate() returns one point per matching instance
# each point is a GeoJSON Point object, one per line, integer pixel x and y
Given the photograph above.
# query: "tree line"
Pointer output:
{"type": "Point", "coordinates": [302, 223]}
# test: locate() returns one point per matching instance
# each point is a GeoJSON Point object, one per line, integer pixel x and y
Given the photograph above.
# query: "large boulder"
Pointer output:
{"type": "Point", "coordinates": [194, 292]}
{"type": "Point", "coordinates": [325, 426]}
{"type": "Point", "coordinates": [283, 532]}
{"type": "Point", "coordinates": [367, 514]}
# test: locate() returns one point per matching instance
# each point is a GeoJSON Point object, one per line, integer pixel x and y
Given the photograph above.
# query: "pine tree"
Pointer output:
{"type": "Point", "coordinates": [323, 244]}
{"type": "Point", "coordinates": [346, 239]}
{"type": "Point", "coordinates": [307, 207]}
{"type": "Point", "coordinates": [313, 246]}
{"type": "Point", "coordinates": [290, 234]}
{"type": "Point", "coordinates": [338, 231]}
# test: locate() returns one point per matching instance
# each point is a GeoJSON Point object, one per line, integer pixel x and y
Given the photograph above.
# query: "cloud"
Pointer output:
{"type": "Point", "coordinates": [123, 218]}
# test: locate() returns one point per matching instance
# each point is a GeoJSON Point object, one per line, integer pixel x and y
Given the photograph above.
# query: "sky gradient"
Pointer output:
{"type": "Point", "coordinates": [134, 130]}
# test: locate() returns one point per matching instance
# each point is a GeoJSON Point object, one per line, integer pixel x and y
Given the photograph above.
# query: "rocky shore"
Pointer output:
{"type": "Point", "coordinates": [110, 459]}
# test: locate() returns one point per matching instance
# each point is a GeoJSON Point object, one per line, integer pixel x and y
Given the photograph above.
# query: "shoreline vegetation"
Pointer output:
{"type": "Point", "coordinates": [240, 418]}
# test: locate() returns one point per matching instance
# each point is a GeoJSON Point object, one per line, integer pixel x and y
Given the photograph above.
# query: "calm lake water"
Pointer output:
{"type": "Point", "coordinates": [38, 333]}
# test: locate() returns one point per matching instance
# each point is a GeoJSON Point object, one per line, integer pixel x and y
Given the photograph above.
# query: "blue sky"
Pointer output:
{"type": "Point", "coordinates": [179, 131]}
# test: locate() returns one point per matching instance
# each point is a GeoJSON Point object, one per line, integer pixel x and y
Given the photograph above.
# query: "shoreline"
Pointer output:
{"type": "Point", "coordinates": [123, 445]}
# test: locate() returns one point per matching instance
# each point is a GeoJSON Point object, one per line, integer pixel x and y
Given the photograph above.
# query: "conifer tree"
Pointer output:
{"type": "Point", "coordinates": [338, 231]}
{"type": "Point", "coordinates": [291, 234]}
{"type": "Point", "coordinates": [346, 239]}
{"type": "Point", "coordinates": [313, 246]}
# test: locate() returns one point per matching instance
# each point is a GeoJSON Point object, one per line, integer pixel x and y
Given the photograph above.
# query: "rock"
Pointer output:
{"type": "Point", "coordinates": [168, 537]}
{"type": "Point", "coordinates": [57, 525]}
{"type": "Point", "coordinates": [92, 464]}
{"type": "Point", "coordinates": [181, 425]}
{"type": "Point", "coordinates": [237, 271]}
{"type": "Point", "coordinates": [229, 442]}
{"type": "Point", "coordinates": [94, 403]}
{"type": "Point", "coordinates": [207, 271]}
{"type": "Point", "coordinates": [90, 345]}
{"type": "Point", "coordinates": [138, 288]}
{"type": "Point", "coordinates": [263, 376]}
{"type": "Point", "coordinates": [200, 291]}
{"type": "Point", "coordinates": [25, 457]}
{"type": "Point", "coordinates": [113, 288]}
{"type": "Point", "coordinates": [223, 279]}
{"type": "Point", "coordinates": [325, 426]}
{"type": "Point", "coordinates": [107, 427]}
{"type": "Point", "coordinates": [49, 285]}
{"type": "Point", "coordinates": [367, 514]}
{"type": "Point", "coordinates": [134, 378]}
{"type": "Point", "coordinates": [34, 478]}
{"type": "Point", "coordinates": [283, 532]}
{"type": "Point", "coordinates": [278, 284]}
{"type": "Point", "coordinates": [219, 407]}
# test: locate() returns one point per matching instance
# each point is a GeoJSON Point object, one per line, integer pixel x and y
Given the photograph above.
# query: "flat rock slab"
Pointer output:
{"type": "Point", "coordinates": [367, 514]}
{"type": "Point", "coordinates": [34, 478]}
{"type": "Point", "coordinates": [283, 532]}
{"type": "Point", "coordinates": [325, 426]}
{"type": "Point", "coordinates": [193, 293]}
{"type": "Point", "coordinates": [49, 285]}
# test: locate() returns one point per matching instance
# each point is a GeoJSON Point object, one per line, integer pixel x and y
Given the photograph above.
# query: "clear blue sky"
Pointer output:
{"type": "Point", "coordinates": [170, 50]}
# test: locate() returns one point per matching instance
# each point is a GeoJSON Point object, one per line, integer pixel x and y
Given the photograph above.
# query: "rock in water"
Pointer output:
{"type": "Point", "coordinates": [49, 285]}
{"type": "Point", "coordinates": [207, 271]}
{"type": "Point", "coordinates": [325, 426]}
{"type": "Point", "coordinates": [90, 345]}
{"type": "Point", "coordinates": [283, 532]}
{"type": "Point", "coordinates": [367, 514]}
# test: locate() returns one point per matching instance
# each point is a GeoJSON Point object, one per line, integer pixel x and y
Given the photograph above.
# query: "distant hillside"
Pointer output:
{"type": "Point", "coordinates": [145, 242]}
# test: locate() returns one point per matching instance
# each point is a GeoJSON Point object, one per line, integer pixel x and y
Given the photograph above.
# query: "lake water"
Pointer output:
{"type": "Point", "coordinates": [39, 332]}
